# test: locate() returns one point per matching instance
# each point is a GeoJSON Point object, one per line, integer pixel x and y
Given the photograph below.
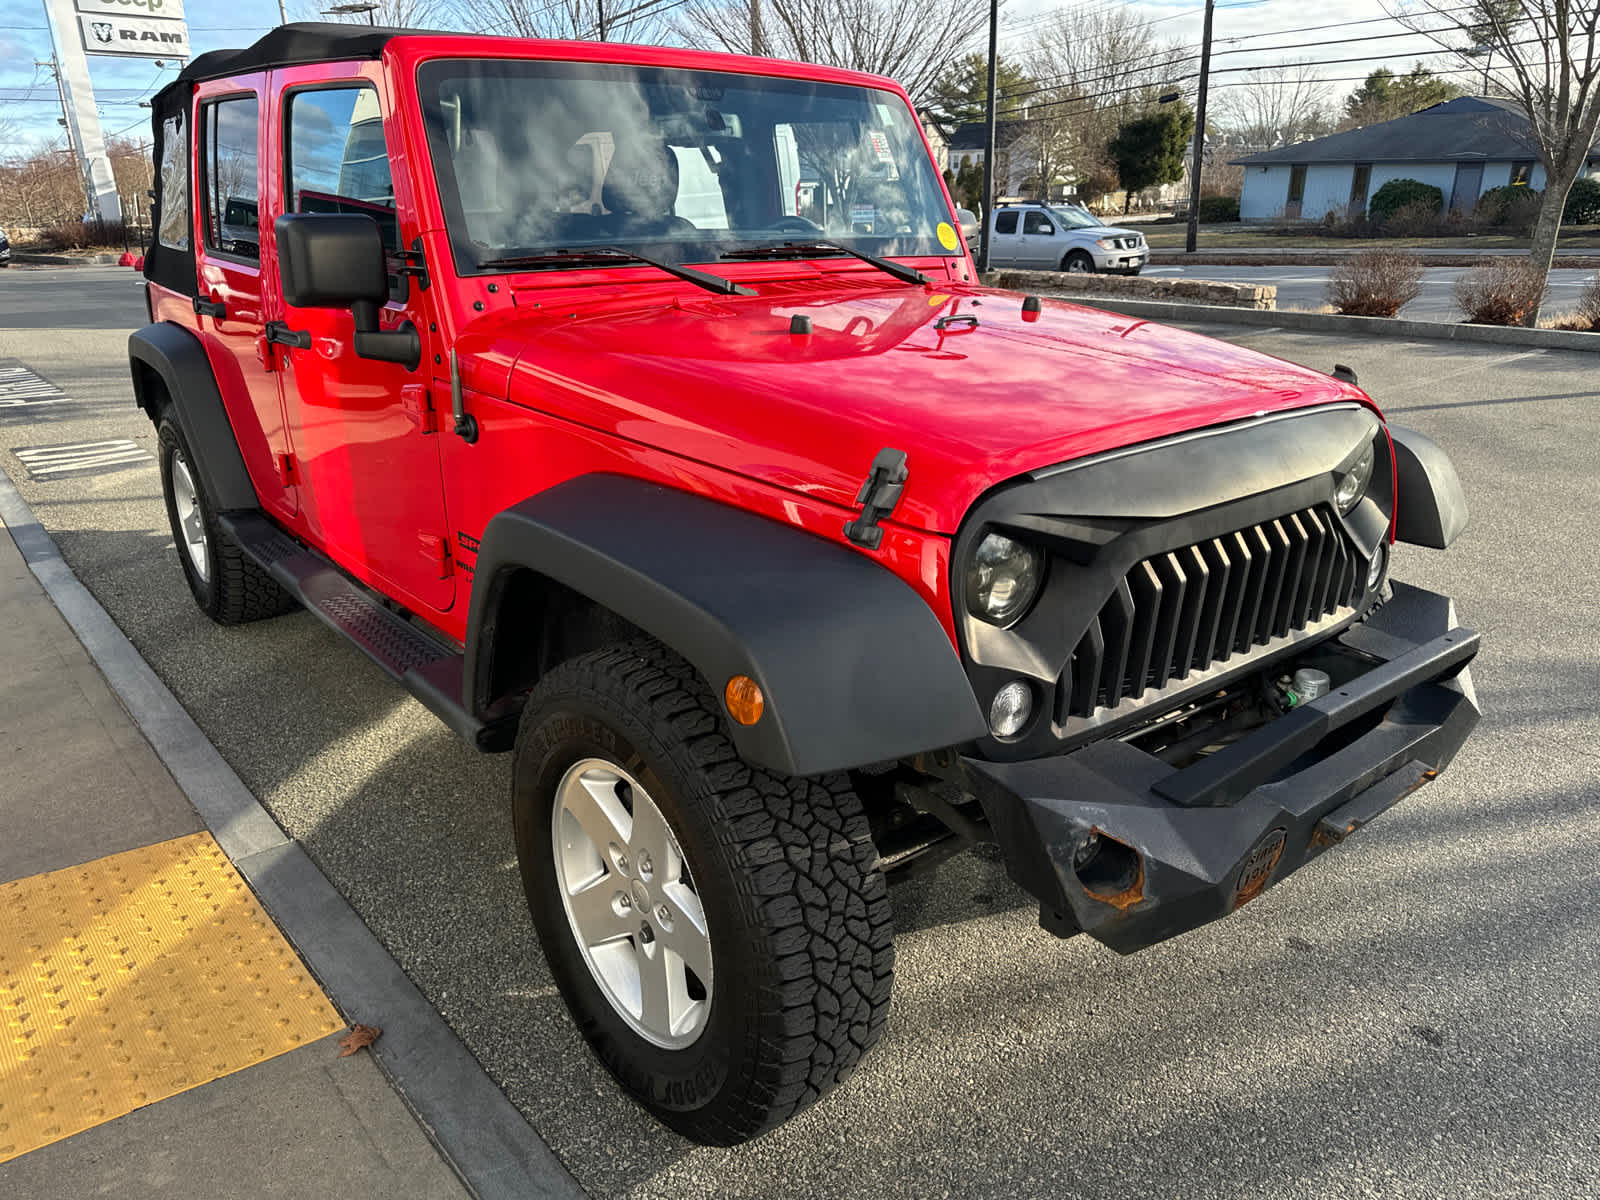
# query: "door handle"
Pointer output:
{"type": "Point", "coordinates": [277, 331]}
{"type": "Point", "coordinates": [210, 308]}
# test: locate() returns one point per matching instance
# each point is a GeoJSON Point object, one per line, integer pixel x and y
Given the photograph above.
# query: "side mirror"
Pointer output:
{"type": "Point", "coordinates": [337, 260]}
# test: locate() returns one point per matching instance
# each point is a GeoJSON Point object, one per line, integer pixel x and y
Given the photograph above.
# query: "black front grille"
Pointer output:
{"type": "Point", "coordinates": [1198, 606]}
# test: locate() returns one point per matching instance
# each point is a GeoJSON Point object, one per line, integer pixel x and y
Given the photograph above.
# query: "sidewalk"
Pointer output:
{"type": "Point", "coordinates": [162, 1037]}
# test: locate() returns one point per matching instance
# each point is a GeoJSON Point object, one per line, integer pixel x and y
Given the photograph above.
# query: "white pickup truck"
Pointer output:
{"type": "Point", "coordinates": [1046, 238]}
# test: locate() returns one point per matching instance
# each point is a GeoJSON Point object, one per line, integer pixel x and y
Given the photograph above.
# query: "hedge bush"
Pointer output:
{"type": "Point", "coordinates": [1374, 283]}
{"type": "Point", "coordinates": [1583, 203]}
{"type": "Point", "coordinates": [1500, 291]}
{"type": "Point", "coordinates": [1215, 210]}
{"type": "Point", "coordinates": [1403, 193]}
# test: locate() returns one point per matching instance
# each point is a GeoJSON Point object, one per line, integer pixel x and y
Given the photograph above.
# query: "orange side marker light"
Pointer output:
{"type": "Point", "coordinates": [744, 700]}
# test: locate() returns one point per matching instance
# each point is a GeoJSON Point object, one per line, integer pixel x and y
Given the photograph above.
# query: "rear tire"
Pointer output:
{"type": "Point", "coordinates": [1078, 262]}
{"type": "Point", "coordinates": [229, 587]}
{"type": "Point", "coordinates": [796, 953]}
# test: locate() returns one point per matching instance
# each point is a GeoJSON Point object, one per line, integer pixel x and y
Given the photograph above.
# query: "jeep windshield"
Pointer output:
{"type": "Point", "coordinates": [534, 157]}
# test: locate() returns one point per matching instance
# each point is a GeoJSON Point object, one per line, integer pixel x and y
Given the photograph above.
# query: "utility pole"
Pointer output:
{"type": "Point", "coordinates": [55, 73]}
{"type": "Point", "coordinates": [600, 20]}
{"type": "Point", "coordinates": [988, 138]}
{"type": "Point", "coordinates": [77, 103]}
{"type": "Point", "coordinates": [1199, 132]}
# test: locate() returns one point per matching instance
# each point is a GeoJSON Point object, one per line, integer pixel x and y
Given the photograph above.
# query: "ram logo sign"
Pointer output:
{"type": "Point", "coordinates": [107, 31]}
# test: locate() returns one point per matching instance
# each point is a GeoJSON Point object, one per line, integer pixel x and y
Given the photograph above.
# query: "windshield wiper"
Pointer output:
{"type": "Point", "coordinates": [605, 256]}
{"type": "Point", "coordinates": [810, 250]}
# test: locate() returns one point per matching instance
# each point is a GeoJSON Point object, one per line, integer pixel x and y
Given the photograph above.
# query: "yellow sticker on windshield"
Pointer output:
{"type": "Point", "coordinates": [947, 236]}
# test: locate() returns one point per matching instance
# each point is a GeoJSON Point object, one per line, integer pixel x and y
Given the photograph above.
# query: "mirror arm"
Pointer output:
{"type": "Point", "coordinates": [402, 345]}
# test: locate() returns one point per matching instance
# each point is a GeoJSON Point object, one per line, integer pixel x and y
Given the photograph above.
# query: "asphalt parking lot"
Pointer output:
{"type": "Point", "coordinates": [1413, 1015]}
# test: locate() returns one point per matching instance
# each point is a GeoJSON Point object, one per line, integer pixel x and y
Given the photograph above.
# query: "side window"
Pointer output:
{"type": "Point", "coordinates": [337, 162]}
{"type": "Point", "coordinates": [173, 187]}
{"type": "Point", "coordinates": [1006, 222]}
{"type": "Point", "coordinates": [1036, 222]}
{"type": "Point", "coordinates": [228, 166]}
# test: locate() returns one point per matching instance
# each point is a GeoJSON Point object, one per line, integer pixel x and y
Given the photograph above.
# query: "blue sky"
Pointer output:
{"type": "Point", "coordinates": [217, 23]}
{"type": "Point", "coordinates": [25, 36]}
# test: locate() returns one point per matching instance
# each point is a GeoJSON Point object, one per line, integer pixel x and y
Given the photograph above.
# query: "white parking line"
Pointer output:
{"type": "Point", "coordinates": [81, 458]}
{"type": "Point", "coordinates": [20, 386]}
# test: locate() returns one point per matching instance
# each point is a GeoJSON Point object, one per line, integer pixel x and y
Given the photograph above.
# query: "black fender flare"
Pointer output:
{"type": "Point", "coordinates": [177, 357]}
{"type": "Point", "coordinates": [1431, 507]}
{"type": "Point", "coordinates": [854, 666]}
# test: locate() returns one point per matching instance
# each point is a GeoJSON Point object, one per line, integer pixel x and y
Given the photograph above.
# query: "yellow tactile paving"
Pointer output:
{"type": "Point", "coordinates": [135, 977]}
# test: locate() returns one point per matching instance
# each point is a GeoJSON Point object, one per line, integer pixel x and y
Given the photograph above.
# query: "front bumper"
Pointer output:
{"type": "Point", "coordinates": [1183, 847]}
{"type": "Point", "coordinates": [1121, 260]}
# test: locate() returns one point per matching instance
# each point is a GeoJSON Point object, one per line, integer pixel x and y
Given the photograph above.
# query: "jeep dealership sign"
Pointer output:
{"type": "Point", "coordinates": [134, 28]}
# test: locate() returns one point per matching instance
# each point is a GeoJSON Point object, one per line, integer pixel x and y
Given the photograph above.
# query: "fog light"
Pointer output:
{"type": "Point", "coordinates": [1012, 706]}
{"type": "Point", "coordinates": [1375, 571]}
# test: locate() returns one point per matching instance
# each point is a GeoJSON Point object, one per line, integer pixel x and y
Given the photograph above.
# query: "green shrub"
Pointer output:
{"type": "Point", "coordinates": [1403, 193]}
{"type": "Point", "coordinates": [1583, 203]}
{"type": "Point", "coordinates": [1514, 208]}
{"type": "Point", "coordinates": [1216, 210]}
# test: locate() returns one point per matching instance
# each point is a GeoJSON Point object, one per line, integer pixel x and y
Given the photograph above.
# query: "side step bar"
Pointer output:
{"type": "Point", "coordinates": [424, 666]}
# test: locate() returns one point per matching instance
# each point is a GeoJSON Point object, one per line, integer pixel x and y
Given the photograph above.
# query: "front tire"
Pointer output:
{"type": "Point", "coordinates": [1078, 263]}
{"type": "Point", "coordinates": [658, 864]}
{"type": "Point", "coordinates": [229, 587]}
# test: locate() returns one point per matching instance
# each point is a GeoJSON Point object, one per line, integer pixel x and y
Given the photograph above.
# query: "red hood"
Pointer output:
{"type": "Point", "coordinates": [724, 382]}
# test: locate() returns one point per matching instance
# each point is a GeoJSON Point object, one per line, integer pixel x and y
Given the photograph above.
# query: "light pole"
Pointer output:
{"type": "Point", "coordinates": [988, 140]}
{"type": "Point", "coordinates": [348, 10]}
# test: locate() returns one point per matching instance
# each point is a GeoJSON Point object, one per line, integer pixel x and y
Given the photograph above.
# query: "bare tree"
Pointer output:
{"type": "Point", "coordinates": [1549, 56]}
{"type": "Point", "coordinates": [911, 41]}
{"type": "Point", "coordinates": [1096, 69]}
{"type": "Point", "coordinates": [581, 20]}
{"type": "Point", "coordinates": [1273, 106]}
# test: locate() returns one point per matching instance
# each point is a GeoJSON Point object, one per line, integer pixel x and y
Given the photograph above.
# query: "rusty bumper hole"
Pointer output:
{"type": "Point", "coordinates": [1113, 874]}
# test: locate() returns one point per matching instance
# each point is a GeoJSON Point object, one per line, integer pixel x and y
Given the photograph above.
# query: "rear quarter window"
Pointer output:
{"type": "Point", "coordinates": [173, 187]}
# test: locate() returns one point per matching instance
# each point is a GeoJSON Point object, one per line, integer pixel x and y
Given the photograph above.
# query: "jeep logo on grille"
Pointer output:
{"type": "Point", "coordinates": [1258, 867]}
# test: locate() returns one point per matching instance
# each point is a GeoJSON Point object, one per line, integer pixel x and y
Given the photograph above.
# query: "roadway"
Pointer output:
{"type": "Point", "coordinates": [1412, 1015]}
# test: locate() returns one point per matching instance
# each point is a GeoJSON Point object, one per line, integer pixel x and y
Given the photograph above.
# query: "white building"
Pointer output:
{"type": "Point", "coordinates": [1463, 147]}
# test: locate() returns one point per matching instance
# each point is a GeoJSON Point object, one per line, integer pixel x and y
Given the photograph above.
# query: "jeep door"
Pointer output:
{"type": "Point", "coordinates": [229, 313]}
{"type": "Point", "coordinates": [366, 449]}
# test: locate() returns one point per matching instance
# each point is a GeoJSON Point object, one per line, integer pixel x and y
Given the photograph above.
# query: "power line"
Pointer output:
{"type": "Point", "coordinates": [1067, 80]}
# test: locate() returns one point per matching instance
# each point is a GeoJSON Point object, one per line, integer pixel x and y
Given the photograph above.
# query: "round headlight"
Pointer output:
{"type": "Point", "coordinates": [1002, 579]}
{"type": "Point", "coordinates": [1352, 484]}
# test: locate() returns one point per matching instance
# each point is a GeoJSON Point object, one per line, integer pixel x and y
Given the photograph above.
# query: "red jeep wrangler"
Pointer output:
{"type": "Point", "coordinates": [638, 410]}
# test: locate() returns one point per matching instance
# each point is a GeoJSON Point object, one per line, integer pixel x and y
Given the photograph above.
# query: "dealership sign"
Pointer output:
{"type": "Point", "coordinates": [170, 10]}
{"type": "Point", "coordinates": [134, 28]}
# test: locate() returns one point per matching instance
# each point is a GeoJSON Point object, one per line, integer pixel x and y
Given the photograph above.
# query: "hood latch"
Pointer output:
{"type": "Point", "coordinates": [877, 497]}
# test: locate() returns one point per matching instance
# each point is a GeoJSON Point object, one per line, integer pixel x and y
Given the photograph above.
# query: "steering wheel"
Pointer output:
{"type": "Point", "coordinates": [795, 224]}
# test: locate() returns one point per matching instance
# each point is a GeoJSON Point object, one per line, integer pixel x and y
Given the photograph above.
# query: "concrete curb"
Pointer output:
{"type": "Point", "coordinates": [65, 260]}
{"type": "Point", "coordinates": [483, 1137]}
{"type": "Point", "coordinates": [1388, 327]}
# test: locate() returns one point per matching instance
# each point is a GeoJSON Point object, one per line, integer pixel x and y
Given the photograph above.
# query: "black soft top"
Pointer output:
{"type": "Point", "coordinates": [301, 42]}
